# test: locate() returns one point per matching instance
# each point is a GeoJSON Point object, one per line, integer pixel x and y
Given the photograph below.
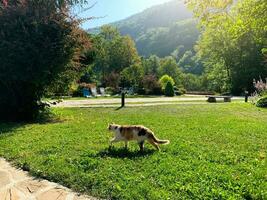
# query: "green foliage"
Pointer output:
{"type": "Point", "coordinates": [113, 54]}
{"type": "Point", "coordinates": [164, 80]}
{"type": "Point", "coordinates": [169, 90]}
{"type": "Point", "coordinates": [39, 42]}
{"type": "Point", "coordinates": [193, 82]}
{"type": "Point", "coordinates": [232, 41]}
{"type": "Point", "coordinates": [213, 153]}
{"type": "Point", "coordinates": [169, 67]}
{"type": "Point", "coordinates": [151, 85]}
{"type": "Point", "coordinates": [162, 41]}
{"type": "Point", "coordinates": [132, 76]}
{"type": "Point", "coordinates": [151, 65]}
{"type": "Point", "coordinates": [179, 91]}
{"type": "Point", "coordinates": [262, 102]}
{"type": "Point", "coordinates": [190, 63]}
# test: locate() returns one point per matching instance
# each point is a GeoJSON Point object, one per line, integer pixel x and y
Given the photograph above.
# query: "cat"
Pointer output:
{"type": "Point", "coordinates": [138, 133]}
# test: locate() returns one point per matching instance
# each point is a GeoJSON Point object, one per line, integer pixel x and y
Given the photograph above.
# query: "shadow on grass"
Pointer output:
{"type": "Point", "coordinates": [124, 153]}
{"type": "Point", "coordinates": [119, 108]}
{"type": "Point", "coordinates": [44, 118]}
{"type": "Point", "coordinates": [8, 127]}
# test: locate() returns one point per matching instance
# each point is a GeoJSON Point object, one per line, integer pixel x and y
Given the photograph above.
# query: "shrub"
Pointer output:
{"type": "Point", "coordinates": [112, 91]}
{"type": "Point", "coordinates": [260, 93]}
{"type": "Point", "coordinates": [179, 91]}
{"type": "Point", "coordinates": [39, 42]}
{"type": "Point", "coordinates": [151, 85]}
{"type": "Point", "coordinates": [164, 80]}
{"type": "Point", "coordinates": [262, 102]}
{"type": "Point", "coordinates": [260, 85]}
{"type": "Point", "coordinates": [112, 80]}
{"type": "Point", "coordinates": [169, 90]}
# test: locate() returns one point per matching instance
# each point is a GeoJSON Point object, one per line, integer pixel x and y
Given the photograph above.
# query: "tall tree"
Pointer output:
{"type": "Point", "coordinates": [39, 41]}
{"type": "Point", "coordinates": [169, 67]}
{"type": "Point", "coordinates": [233, 36]}
{"type": "Point", "coordinates": [114, 53]}
{"type": "Point", "coordinates": [151, 65]}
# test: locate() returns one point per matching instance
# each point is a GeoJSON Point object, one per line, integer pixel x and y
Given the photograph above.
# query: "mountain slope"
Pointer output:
{"type": "Point", "coordinates": [161, 29]}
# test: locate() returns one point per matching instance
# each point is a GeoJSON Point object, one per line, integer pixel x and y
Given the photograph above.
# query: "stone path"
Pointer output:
{"type": "Point", "coordinates": [16, 184]}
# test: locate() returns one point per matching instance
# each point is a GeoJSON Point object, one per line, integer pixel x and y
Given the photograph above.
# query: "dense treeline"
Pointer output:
{"type": "Point", "coordinates": [233, 41]}
{"type": "Point", "coordinates": [117, 64]}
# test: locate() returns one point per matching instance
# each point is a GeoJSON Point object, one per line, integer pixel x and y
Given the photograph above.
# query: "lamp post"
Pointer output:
{"type": "Point", "coordinates": [246, 96]}
{"type": "Point", "coordinates": [122, 98]}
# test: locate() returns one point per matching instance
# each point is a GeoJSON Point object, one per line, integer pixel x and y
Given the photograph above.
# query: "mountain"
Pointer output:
{"type": "Point", "coordinates": [160, 29]}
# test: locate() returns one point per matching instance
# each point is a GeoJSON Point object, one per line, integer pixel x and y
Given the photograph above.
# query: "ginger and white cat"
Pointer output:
{"type": "Point", "coordinates": [138, 133]}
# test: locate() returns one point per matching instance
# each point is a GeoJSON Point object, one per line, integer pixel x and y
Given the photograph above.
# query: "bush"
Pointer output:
{"type": "Point", "coordinates": [262, 102]}
{"type": "Point", "coordinates": [169, 90]}
{"type": "Point", "coordinates": [179, 91]}
{"type": "Point", "coordinates": [151, 85]}
{"type": "Point", "coordinates": [39, 42]}
{"type": "Point", "coordinates": [164, 80]}
{"type": "Point", "coordinates": [112, 91]}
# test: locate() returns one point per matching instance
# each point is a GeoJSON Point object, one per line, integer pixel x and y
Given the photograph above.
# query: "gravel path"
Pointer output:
{"type": "Point", "coordinates": [16, 184]}
{"type": "Point", "coordinates": [133, 102]}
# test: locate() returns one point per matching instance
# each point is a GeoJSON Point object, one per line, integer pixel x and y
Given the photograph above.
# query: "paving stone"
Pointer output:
{"type": "Point", "coordinates": [4, 180]}
{"type": "Point", "coordinates": [4, 164]}
{"type": "Point", "coordinates": [30, 186]}
{"type": "Point", "coordinates": [11, 194]}
{"type": "Point", "coordinates": [17, 174]}
{"type": "Point", "coordinates": [53, 194]}
{"type": "Point", "coordinates": [16, 184]}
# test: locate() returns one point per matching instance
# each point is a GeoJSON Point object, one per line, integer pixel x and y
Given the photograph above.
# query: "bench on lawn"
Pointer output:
{"type": "Point", "coordinates": [212, 98]}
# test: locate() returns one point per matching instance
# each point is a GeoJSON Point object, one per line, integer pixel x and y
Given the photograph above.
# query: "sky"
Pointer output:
{"type": "Point", "coordinates": [108, 11]}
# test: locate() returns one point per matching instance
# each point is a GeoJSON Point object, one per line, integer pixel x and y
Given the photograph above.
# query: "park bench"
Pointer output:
{"type": "Point", "coordinates": [212, 98]}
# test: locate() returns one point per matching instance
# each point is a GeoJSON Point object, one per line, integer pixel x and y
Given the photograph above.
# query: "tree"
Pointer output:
{"type": "Point", "coordinates": [151, 65]}
{"type": "Point", "coordinates": [169, 67]}
{"type": "Point", "coordinates": [151, 85]}
{"type": "Point", "coordinates": [189, 63]}
{"type": "Point", "coordinates": [169, 90]}
{"type": "Point", "coordinates": [113, 53]}
{"type": "Point", "coordinates": [164, 80]}
{"type": "Point", "coordinates": [232, 39]}
{"type": "Point", "coordinates": [39, 41]}
{"type": "Point", "coordinates": [132, 76]}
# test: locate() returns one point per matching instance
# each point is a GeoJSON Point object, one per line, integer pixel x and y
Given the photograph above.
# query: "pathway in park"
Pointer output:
{"type": "Point", "coordinates": [16, 184]}
{"type": "Point", "coordinates": [133, 102]}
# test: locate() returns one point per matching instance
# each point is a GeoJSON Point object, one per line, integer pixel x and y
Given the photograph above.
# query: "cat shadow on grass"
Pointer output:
{"type": "Point", "coordinates": [124, 153]}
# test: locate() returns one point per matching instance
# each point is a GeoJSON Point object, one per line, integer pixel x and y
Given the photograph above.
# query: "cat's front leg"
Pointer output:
{"type": "Point", "coordinates": [113, 140]}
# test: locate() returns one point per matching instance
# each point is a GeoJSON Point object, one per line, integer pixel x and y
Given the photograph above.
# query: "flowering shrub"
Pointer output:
{"type": "Point", "coordinates": [261, 86]}
{"type": "Point", "coordinates": [260, 96]}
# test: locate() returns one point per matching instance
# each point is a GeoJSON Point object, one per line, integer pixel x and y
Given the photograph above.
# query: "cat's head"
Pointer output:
{"type": "Point", "coordinates": [112, 127]}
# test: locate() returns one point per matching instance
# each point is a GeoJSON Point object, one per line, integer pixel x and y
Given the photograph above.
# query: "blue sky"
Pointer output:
{"type": "Point", "coordinates": [114, 10]}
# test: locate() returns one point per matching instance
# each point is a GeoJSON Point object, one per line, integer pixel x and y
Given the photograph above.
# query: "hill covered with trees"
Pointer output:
{"type": "Point", "coordinates": [161, 29]}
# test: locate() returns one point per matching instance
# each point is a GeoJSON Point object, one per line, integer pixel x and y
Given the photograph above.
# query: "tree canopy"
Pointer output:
{"type": "Point", "coordinates": [39, 41]}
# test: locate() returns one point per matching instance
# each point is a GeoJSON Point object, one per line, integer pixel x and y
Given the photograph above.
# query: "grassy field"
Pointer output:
{"type": "Point", "coordinates": [217, 151]}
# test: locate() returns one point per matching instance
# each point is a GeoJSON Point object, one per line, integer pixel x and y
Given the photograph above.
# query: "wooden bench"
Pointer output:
{"type": "Point", "coordinates": [212, 98]}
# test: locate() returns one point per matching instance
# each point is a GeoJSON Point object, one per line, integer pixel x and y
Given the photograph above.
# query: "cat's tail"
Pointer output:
{"type": "Point", "coordinates": [164, 142]}
{"type": "Point", "coordinates": [158, 141]}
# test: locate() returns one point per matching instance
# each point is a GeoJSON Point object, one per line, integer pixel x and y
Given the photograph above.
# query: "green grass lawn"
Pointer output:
{"type": "Point", "coordinates": [217, 151]}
